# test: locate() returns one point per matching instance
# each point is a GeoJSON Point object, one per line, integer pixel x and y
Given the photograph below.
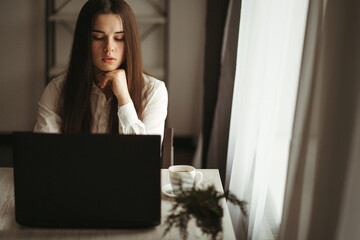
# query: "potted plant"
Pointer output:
{"type": "Point", "coordinates": [202, 204]}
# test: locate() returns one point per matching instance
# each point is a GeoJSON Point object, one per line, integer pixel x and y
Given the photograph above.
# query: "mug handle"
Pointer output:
{"type": "Point", "coordinates": [201, 177]}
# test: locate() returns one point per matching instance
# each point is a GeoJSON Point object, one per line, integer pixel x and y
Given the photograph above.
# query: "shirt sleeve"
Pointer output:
{"type": "Point", "coordinates": [48, 118]}
{"type": "Point", "coordinates": [154, 115]}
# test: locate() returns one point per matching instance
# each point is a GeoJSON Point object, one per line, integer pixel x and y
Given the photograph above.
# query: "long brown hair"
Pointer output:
{"type": "Point", "coordinates": [76, 116]}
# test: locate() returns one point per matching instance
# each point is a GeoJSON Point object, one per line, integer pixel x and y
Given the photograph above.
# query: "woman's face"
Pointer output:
{"type": "Point", "coordinates": [107, 44]}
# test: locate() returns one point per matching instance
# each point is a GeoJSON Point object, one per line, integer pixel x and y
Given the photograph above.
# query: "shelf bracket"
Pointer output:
{"type": "Point", "coordinates": [67, 27]}
{"type": "Point", "coordinates": [62, 6]}
{"type": "Point", "coordinates": [149, 31]}
{"type": "Point", "coordinates": [156, 6]}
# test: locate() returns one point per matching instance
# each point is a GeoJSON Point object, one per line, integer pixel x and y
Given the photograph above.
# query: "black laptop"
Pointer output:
{"type": "Point", "coordinates": [87, 180]}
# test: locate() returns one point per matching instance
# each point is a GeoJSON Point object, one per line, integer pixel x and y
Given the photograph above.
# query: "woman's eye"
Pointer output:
{"type": "Point", "coordinates": [97, 38]}
{"type": "Point", "coordinates": [119, 39]}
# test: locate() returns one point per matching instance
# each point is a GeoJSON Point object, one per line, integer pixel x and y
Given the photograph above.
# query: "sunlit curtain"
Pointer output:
{"type": "Point", "coordinates": [269, 54]}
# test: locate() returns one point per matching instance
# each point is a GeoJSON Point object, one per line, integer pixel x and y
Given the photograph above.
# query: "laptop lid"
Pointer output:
{"type": "Point", "coordinates": [87, 180]}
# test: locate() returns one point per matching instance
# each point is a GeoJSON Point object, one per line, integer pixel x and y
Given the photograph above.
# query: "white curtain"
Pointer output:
{"type": "Point", "coordinates": [270, 46]}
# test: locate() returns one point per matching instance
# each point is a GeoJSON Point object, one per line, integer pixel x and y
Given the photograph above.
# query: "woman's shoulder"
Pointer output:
{"type": "Point", "coordinates": [151, 81]}
{"type": "Point", "coordinates": [53, 89]}
{"type": "Point", "coordinates": [57, 82]}
{"type": "Point", "coordinates": [51, 94]}
{"type": "Point", "coordinates": [55, 85]}
{"type": "Point", "coordinates": [154, 87]}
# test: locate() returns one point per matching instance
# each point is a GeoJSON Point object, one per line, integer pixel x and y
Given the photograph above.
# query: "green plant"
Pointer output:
{"type": "Point", "coordinates": [204, 206]}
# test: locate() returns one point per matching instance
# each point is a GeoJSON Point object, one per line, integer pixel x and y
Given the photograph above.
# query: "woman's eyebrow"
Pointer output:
{"type": "Point", "coordinates": [94, 30]}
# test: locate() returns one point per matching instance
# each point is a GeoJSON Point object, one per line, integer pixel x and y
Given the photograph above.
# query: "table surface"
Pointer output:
{"type": "Point", "coordinates": [9, 229]}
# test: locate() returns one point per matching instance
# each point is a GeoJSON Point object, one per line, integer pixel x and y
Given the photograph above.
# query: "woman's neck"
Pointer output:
{"type": "Point", "coordinates": [107, 92]}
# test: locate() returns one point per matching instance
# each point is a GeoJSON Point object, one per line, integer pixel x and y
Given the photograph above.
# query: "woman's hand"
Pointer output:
{"type": "Point", "coordinates": [117, 80]}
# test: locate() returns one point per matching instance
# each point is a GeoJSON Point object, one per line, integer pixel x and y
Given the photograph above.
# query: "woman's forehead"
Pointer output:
{"type": "Point", "coordinates": [108, 23]}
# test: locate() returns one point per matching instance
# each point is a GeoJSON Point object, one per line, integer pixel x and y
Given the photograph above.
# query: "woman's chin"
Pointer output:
{"type": "Point", "coordinates": [107, 69]}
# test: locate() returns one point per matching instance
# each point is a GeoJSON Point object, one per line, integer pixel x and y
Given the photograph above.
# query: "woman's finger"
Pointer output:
{"type": "Point", "coordinates": [99, 78]}
{"type": "Point", "coordinates": [103, 81]}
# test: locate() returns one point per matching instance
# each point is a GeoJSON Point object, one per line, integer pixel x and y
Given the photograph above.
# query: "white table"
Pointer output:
{"type": "Point", "coordinates": [9, 229]}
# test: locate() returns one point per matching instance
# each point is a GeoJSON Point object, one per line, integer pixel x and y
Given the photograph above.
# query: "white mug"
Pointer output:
{"type": "Point", "coordinates": [184, 174]}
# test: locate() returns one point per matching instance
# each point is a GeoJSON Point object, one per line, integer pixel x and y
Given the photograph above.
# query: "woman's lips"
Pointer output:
{"type": "Point", "coordinates": [108, 59]}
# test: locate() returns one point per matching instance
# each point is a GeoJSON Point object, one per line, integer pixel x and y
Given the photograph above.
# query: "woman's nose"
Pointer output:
{"type": "Point", "coordinates": [108, 46]}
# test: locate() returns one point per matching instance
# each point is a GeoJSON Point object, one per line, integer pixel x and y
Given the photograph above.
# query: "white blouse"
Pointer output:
{"type": "Point", "coordinates": [154, 114]}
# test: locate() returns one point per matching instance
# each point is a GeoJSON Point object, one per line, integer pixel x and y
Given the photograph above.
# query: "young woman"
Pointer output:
{"type": "Point", "coordinates": [105, 89]}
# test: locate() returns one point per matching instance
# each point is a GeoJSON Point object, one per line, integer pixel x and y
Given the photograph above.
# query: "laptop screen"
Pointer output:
{"type": "Point", "coordinates": [87, 180]}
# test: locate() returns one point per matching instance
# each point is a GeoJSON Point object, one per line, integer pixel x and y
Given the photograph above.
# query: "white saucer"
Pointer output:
{"type": "Point", "coordinates": [168, 190]}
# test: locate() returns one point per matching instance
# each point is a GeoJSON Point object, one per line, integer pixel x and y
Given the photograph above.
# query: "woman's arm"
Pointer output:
{"type": "Point", "coordinates": [154, 115]}
{"type": "Point", "coordinates": [155, 110]}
